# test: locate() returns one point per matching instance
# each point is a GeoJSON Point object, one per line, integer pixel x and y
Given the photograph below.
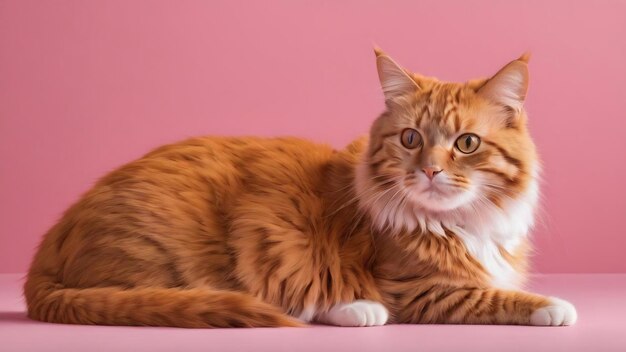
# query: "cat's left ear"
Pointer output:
{"type": "Point", "coordinates": [509, 86]}
{"type": "Point", "coordinates": [394, 80]}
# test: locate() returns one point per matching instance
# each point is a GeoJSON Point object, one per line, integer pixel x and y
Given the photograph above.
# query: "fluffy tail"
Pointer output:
{"type": "Point", "coordinates": [189, 308]}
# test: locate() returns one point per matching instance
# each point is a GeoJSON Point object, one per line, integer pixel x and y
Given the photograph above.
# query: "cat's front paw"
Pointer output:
{"type": "Point", "coordinates": [357, 313]}
{"type": "Point", "coordinates": [558, 313]}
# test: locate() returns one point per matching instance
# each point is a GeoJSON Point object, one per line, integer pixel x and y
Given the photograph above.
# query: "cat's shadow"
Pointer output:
{"type": "Point", "coordinates": [15, 317]}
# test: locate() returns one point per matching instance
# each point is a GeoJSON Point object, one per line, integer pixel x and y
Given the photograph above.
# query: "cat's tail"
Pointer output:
{"type": "Point", "coordinates": [190, 308]}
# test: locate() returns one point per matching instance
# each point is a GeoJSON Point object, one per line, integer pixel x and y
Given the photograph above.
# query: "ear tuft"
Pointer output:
{"type": "Point", "coordinates": [394, 80]}
{"type": "Point", "coordinates": [509, 86]}
{"type": "Point", "coordinates": [525, 57]}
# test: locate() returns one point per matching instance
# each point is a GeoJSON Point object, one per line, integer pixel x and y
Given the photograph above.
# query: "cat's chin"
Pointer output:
{"type": "Point", "coordinates": [438, 202]}
{"type": "Point", "coordinates": [435, 209]}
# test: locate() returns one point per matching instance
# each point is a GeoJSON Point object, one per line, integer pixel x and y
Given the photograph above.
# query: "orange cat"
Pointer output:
{"type": "Point", "coordinates": [425, 221]}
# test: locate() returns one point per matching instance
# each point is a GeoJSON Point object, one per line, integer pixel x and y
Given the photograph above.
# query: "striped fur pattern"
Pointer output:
{"type": "Point", "coordinates": [247, 232]}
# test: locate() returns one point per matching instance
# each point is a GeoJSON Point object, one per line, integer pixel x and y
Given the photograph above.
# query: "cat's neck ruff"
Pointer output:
{"type": "Point", "coordinates": [483, 228]}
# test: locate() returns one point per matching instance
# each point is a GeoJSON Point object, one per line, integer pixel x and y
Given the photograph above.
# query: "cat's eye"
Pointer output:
{"type": "Point", "coordinates": [411, 139]}
{"type": "Point", "coordinates": [467, 143]}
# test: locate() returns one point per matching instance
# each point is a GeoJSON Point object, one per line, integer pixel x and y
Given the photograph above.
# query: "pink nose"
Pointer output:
{"type": "Point", "coordinates": [431, 171]}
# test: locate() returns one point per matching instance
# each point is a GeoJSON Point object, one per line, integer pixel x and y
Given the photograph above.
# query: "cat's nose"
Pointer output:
{"type": "Point", "coordinates": [432, 171]}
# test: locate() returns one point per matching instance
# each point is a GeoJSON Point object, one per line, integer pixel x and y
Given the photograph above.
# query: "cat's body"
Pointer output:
{"type": "Point", "coordinates": [226, 232]}
{"type": "Point", "coordinates": [213, 214]}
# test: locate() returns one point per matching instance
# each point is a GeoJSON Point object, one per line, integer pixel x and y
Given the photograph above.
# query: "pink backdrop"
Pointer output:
{"type": "Point", "coordinates": [88, 85]}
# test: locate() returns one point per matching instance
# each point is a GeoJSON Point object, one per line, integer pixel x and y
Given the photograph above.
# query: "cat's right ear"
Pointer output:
{"type": "Point", "coordinates": [394, 80]}
{"type": "Point", "coordinates": [508, 87]}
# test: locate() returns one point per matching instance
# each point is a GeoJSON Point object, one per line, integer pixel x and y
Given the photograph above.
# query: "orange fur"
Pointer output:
{"type": "Point", "coordinates": [239, 232]}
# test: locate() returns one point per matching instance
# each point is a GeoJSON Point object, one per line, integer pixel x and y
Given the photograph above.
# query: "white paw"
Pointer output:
{"type": "Point", "coordinates": [357, 313]}
{"type": "Point", "coordinates": [558, 313]}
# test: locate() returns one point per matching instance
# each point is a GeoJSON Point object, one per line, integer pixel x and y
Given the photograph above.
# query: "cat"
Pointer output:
{"type": "Point", "coordinates": [425, 220]}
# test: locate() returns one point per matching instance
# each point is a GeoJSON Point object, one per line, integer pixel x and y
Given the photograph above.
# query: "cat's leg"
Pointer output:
{"type": "Point", "coordinates": [357, 313]}
{"type": "Point", "coordinates": [285, 256]}
{"type": "Point", "coordinates": [468, 305]}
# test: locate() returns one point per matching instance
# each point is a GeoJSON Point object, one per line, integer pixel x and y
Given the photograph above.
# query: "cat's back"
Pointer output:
{"type": "Point", "coordinates": [222, 159]}
{"type": "Point", "coordinates": [230, 163]}
{"type": "Point", "coordinates": [207, 174]}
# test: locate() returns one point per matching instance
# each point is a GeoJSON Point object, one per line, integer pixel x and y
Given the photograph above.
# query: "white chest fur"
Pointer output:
{"type": "Point", "coordinates": [483, 229]}
{"type": "Point", "coordinates": [496, 228]}
{"type": "Point", "coordinates": [487, 252]}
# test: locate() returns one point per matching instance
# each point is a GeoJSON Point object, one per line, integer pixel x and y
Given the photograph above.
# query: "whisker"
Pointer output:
{"type": "Point", "coordinates": [359, 196]}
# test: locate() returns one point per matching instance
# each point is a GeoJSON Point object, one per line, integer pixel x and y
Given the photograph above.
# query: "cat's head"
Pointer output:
{"type": "Point", "coordinates": [442, 149]}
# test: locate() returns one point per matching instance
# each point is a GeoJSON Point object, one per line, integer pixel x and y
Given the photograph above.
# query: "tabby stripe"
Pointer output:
{"type": "Point", "coordinates": [496, 303]}
{"type": "Point", "coordinates": [53, 309]}
{"type": "Point", "coordinates": [114, 282]}
{"type": "Point", "coordinates": [175, 275]}
{"type": "Point", "coordinates": [283, 292]}
{"type": "Point", "coordinates": [411, 278]}
{"type": "Point", "coordinates": [511, 117]}
{"type": "Point", "coordinates": [296, 203]}
{"type": "Point", "coordinates": [156, 244]}
{"type": "Point", "coordinates": [457, 123]}
{"type": "Point", "coordinates": [505, 154]}
{"type": "Point", "coordinates": [389, 134]}
{"type": "Point", "coordinates": [385, 186]}
{"type": "Point", "coordinates": [424, 309]}
{"type": "Point", "coordinates": [498, 173]}
{"type": "Point", "coordinates": [376, 165]}
{"type": "Point", "coordinates": [424, 112]}
{"type": "Point", "coordinates": [170, 265]}
{"type": "Point", "coordinates": [457, 96]}
{"type": "Point", "coordinates": [453, 308]}
{"type": "Point", "coordinates": [329, 280]}
{"type": "Point", "coordinates": [290, 222]}
{"type": "Point", "coordinates": [448, 113]}
{"type": "Point", "coordinates": [483, 302]}
{"type": "Point", "coordinates": [166, 318]}
{"type": "Point", "coordinates": [377, 150]}
{"type": "Point", "coordinates": [429, 95]}
{"type": "Point", "coordinates": [307, 289]}
{"type": "Point", "coordinates": [422, 295]}
{"type": "Point", "coordinates": [449, 293]}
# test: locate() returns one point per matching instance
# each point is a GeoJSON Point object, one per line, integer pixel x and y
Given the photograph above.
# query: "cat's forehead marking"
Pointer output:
{"type": "Point", "coordinates": [438, 111]}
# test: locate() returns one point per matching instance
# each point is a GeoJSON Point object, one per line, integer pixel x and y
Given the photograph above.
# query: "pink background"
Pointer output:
{"type": "Point", "coordinates": [86, 86]}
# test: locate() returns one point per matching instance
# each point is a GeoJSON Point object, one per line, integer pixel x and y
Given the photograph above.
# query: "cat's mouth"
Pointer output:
{"type": "Point", "coordinates": [436, 188]}
{"type": "Point", "coordinates": [439, 195]}
{"type": "Point", "coordinates": [435, 191]}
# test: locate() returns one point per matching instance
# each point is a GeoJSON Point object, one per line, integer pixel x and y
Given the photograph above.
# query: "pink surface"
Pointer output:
{"type": "Point", "coordinates": [598, 298]}
{"type": "Point", "coordinates": [88, 85]}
